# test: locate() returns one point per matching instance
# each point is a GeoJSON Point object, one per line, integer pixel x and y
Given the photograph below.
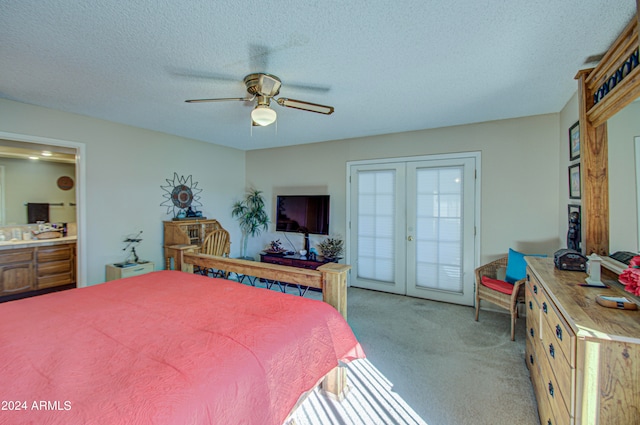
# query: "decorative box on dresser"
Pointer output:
{"type": "Point", "coordinates": [584, 359]}
{"type": "Point", "coordinates": [186, 232]}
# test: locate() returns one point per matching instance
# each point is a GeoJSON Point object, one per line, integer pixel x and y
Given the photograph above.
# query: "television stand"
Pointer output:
{"type": "Point", "coordinates": [293, 261]}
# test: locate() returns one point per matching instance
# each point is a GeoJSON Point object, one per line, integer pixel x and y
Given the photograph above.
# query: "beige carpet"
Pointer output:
{"type": "Point", "coordinates": [428, 363]}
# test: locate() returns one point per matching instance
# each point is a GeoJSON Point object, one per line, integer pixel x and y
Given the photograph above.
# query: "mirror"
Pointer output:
{"type": "Point", "coordinates": [622, 130]}
{"type": "Point", "coordinates": [35, 173]}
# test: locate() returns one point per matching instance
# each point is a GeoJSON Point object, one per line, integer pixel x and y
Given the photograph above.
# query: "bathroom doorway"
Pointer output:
{"type": "Point", "coordinates": [18, 147]}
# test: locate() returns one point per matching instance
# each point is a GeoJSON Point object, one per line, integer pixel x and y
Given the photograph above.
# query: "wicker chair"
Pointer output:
{"type": "Point", "coordinates": [508, 301]}
{"type": "Point", "coordinates": [215, 243]}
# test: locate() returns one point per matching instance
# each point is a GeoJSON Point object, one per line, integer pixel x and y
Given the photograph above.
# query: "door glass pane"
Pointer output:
{"type": "Point", "coordinates": [376, 218]}
{"type": "Point", "coordinates": [439, 228]}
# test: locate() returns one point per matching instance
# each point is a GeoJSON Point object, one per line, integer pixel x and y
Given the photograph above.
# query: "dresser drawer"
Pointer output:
{"type": "Point", "coordinates": [544, 409]}
{"type": "Point", "coordinates": [50, 281]}
{"type": "Point", "coordinates": [54, 267]}
{"type": "Point", "coordinates": [560, 335]}
{"type": "Point", "coordinates": [54, 253]}
{"type": "Point", "coordinates": [137, 270]}
{"type": "Point", "coordinates": [549, 389]}
{"type": "Point", "coordinates": [530, 354]}
{"type": "Point", "coordinates": [114, 272]}
{"type": "Point", "coordinates": [16, 256]}
{"type": "Point", "coordinates": [534, 286]}
{"type": "Point", "coordinates": [533, 313]}
{"type": "Point", "coordinates": [560, 365]}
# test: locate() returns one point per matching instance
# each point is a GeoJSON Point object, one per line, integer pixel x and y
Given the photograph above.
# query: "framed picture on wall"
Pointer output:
{"type": "Point", "coordinates": [574, 181]}
{"type": "Point", "coordinates": [574, 141]}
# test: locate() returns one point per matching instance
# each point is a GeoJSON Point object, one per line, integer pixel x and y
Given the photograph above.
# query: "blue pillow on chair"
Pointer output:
{"type": "Point", "coordinates": [516, 266]}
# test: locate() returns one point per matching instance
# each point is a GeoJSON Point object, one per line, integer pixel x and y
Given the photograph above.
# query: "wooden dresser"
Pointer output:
{"type": "Point", "coordinates": [186, 232]}
{"type": "Point", "coordinates": [584, 359]}
{"type": "Point", "coordinates": [33, 267]}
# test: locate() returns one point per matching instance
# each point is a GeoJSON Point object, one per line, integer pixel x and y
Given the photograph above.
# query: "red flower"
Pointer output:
{"type": "Point", "coordinates": [635, 262]}
{"type": "Point", "coordinates": [630, 278]}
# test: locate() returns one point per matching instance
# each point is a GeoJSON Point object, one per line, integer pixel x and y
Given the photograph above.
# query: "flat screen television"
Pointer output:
{"type": "Point", "coordinates": [303, 213]}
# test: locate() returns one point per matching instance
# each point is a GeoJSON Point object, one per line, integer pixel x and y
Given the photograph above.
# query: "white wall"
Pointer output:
{"type": "Point", "coordinates": [125, 167]}
{"type": "Point", "coordinates": [568, 117]}
{"type": "Point", "coordinates": [519, 177]}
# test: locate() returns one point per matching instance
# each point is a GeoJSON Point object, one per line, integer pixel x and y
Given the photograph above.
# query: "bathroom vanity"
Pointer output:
{"type": "Point", "coordinates": [31, 267]}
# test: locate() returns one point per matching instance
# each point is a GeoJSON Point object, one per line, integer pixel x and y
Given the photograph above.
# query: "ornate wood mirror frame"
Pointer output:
{"type": "Point", "coordinates": [602, 92]}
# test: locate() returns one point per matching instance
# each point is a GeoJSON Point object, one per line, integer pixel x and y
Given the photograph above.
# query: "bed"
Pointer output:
{"type": "Point", "coordinates": [169, 347]}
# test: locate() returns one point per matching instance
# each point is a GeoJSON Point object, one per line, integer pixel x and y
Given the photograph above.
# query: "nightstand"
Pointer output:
{"type": "Point", "coordinates": [115, 272]}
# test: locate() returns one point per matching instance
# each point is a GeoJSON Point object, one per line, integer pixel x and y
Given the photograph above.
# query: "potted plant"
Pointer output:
{"type": "Point", "coordinates": [252, 217]}
{"type": "Point", "coordinates": [331, 248]}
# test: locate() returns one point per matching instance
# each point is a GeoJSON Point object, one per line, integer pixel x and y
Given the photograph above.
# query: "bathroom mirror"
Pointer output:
{"type": "Point", "coordinates": [35, 173]}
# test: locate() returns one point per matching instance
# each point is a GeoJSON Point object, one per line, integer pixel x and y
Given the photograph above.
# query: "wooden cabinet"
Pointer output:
{"type": "Point", "coordinates": [34, 267]}
{"type": "Point", "coordinates": [55, 265]}
{"type": "Point", "coordinates": [186, 232]}
{"type": "Point", "coordinates": [114, 272]}
{"type": "Point", "coordinates": [584, 359]}
{"type": "Point", "coordinates": [16, 271]}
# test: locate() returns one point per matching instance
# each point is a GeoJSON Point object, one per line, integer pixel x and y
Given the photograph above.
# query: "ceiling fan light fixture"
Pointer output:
{"type": "Point", "coordinates": [263, 115]}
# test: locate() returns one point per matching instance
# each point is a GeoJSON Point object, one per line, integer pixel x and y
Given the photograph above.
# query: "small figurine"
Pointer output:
{"type": "Point", "coordinates": [573, 235]}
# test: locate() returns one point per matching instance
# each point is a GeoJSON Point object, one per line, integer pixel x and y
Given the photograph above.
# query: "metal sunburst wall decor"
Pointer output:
{"type": "Point", "coordinates": [182, 195]}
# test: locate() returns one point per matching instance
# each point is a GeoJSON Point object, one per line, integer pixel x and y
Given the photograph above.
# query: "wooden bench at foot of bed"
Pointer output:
{"type": "Point", "coordinates": [331, 278]}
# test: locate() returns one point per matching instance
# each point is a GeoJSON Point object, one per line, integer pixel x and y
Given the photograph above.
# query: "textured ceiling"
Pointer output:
{"type": "Point", "coordinates": [385, 66]}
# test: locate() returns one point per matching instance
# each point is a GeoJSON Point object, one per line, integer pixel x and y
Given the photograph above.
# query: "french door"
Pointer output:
{"type": "Point", "coordinates": [412, 226]}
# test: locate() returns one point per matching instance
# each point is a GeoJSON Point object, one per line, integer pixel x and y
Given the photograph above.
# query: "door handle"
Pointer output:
{"type": "Point", "coordinates": [410, 238]}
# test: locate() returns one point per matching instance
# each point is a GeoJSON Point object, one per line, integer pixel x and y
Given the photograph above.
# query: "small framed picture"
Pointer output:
{"type": "Point", "coordinates": [574, 141]}
{"type": "Point", "coordinates": [574, 181]}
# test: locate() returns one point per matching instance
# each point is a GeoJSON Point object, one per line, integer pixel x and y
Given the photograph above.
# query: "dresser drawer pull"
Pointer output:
{"type": "Point", "coordinates": [550, 389]}
{"type": "Point", "coordinates": [535, 289]}
{"type": "Point", "coordinates": [559, 332]}
{"type": "Point", "coordinates": [530, 305]}
{"type": "Point", "coordinates": [549, 422]}
{"type": "Point", "coordinates": [528, 278]}
{"type": "Point", "coordinates": [544, 307]}
{"type": "Point", "coordinates": [531, 332]}
{"type": "Point", "coordinates": [552, 351]}
{"type": "Point", "coordinates": [531, 358]}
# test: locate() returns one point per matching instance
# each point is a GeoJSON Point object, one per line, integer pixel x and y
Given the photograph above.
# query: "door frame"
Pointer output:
{"type": "Point", "coordinates": [476, 155]}
{"type": "Point", "coordinates": [80, 183]}
{"type": "Point", "coordinates": [637, 155]}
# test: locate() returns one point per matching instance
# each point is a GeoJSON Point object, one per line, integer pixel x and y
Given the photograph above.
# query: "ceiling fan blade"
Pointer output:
{"type": "Point", "coordinates": [221, 99]}
{"type": "Point", "coordinates": [305, 106]}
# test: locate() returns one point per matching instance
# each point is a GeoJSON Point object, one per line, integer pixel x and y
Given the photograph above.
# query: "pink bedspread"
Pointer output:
{"type": "Point", "coordinates": [165, 348]}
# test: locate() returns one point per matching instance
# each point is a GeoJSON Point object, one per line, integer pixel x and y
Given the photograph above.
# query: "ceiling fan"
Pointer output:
{"type": "Point", "coordinates": [263, 88]}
